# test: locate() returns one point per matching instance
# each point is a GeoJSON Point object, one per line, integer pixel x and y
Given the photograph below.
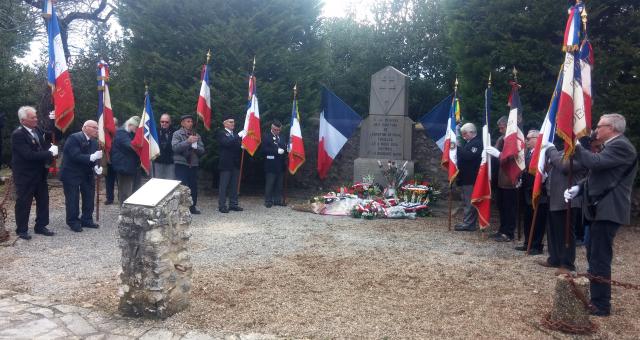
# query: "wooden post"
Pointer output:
{"type": "Point", "coordinates": [533, 227]}
{"type": "Point", "coordinates": [450, 203]}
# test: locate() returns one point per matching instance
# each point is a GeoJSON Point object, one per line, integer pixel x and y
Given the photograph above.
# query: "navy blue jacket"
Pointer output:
{"type": "Point", "coordinates": [124, 159]}
{"type": "Point", "coordinates": [229, 150]}
{"type": "Point", "coordinates": [29, 158]}
{"type": "Point", "coordinates": [469, 158]}
{"type": "Point", "coordinates": [273, 162]}
{"type": "Point", "coordinates": [76, 166]}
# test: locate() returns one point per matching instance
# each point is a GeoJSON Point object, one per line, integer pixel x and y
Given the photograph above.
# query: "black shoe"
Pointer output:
{"type": "Point", "coordinates": [91, 225]}
{"type": "Point", "coordinates": [24, 236]}
{"type": "Point", "coordinates": [76, 228]}
{"type": "Point", "coordinates": [44, 231]}
{"type": "Point", "coordinates": [236, 208]}
{"type": "Point", "coordinates": [268, 205]}
{"type": "Point", "coordinates": [461, 227]}
{"type": "Point", "coordinates": [108, 202]}
{"type": "Point", "coordinates": [280, 204]}
{"type": "Point", "coordinates": [600, 312]}
{"type": "Point", "coordinates": [194, 211]}
{"type": "Point", "coordinates": [535, 252]}
{"type": "Point", "coordinates": [522, 248]}
{"type": "Point", "coordinates": [503, 238]}
{"type": "Point", "coordinates": [223, 210]}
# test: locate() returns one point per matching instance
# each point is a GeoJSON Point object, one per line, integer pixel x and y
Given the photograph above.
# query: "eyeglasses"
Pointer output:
{"type": "Point", "coordinates": [602, 125]}
{"type": "Point", "coordinates": [164, 122]}
{"type": "Point", "coordinates": [93, 127]}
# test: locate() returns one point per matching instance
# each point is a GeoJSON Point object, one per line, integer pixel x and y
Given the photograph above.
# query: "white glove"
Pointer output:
{"type": "Point", "coordinates": [95, 156]}
{"type": "Point", "coordinates": [98, 170]}
{"type": "Point", "coordinates": [242, 133]}
{"type": "Point", "coordinates": [194, 145]}
{"type": "Point", "coordinates": [280, 151]}
{"type": "Point", "coordinates": [492, 151]}
{"type": "Point", "coordinates": [571, 193]}
{"type": "Point", "coordinates": [54, 150]}
{"type": "Point", "coordinates": [52, 115]}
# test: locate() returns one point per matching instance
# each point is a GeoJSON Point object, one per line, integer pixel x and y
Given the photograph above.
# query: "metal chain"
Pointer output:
{"type": "Point", "coordinates": [601, 279]}
{"type": "Point", "coordinates": [562, 326]}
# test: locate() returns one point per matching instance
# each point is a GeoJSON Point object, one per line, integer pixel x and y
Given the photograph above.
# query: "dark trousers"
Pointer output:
{"type": "Point", "coordinates": [228, 188]}
{"type": "Point", "coordinates": [559, 254]}
{"type": "Point", "coordinates": [599, 255]}
{"type": "Point", "coordinates": [72, 193]}
{"type": "Point", "coordinates": [127, 185]}
{"type": "Point", "coordinates": [25, 193]}
{"type": "Point", "coordinates": [110, 183]}
{"type": "Point", "coordinates": [273, 188]}
{"type": "Point", "coordinates": [189, 177]}
{"type": "Point", "coordinates": [540, 227]}
{"type": "Point", "coordinates": [507, 202]}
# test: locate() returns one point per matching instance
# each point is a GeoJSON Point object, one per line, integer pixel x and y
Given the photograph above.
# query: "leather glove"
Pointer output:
{"type": "Point", "coordinates": [98, 170]}
{"type": "Point", "coordinates": [54, 150]}
{"type": "Point", "coordinates": [95, 156]}
{"type": "Point", "coordinates": [52, 115]}
{"type": "Point", "coordinates": [492, 151]}
{"type": "Point", "coordinates": [571, 193]}
{"type": "Point", "coordinates": [242, 133]}
{"type": "Point", "coordinates": [280, 151]}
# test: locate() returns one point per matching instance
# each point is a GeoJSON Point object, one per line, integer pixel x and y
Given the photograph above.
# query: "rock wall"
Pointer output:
{"type": "Point", "coordinates": [156, 267]}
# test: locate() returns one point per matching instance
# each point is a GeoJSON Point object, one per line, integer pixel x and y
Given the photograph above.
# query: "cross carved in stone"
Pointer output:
{"type": "Point", "coordinates": [387, 88]}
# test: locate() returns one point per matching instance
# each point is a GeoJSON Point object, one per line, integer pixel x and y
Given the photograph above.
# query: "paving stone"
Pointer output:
{"type": "Point", "coordinates": [46, 312]}
{"type": "Point", "coordinates": [15, 308]}
{"type": "Point", "coordinates": [77, 324]}
{"type": "Point", "coordinates": [7, 301]}
{"type": "Point", "coordinates": [194, 335]}
{"type": "Point", "coordinates": [96, 337]}
{"type": "Point", "coordinates": [29, 330]}
{"type": "Point", "coordinates": [231, 337]}
{"type": "Point", "coordinates": [4, 292]}
{"type": "Point", "coordinates": [157, 334]}
{"type": "Point", "coordinates": [118, 337]}
{"type": "Point", "coordinates": [130, 331]}
{"type": "Point", "coordinates": [40, 301]}
{"type": "Point", "coordinates": [66, 309]}
{"type": "Point", "coordinates": [257, 336]}
{"type": "Point", "coordinates": [57, 333]}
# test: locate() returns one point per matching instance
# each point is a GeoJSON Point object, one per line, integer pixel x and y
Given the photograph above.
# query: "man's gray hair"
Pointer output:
{"type": "Point", "coordinates": [535, 133]}
{"type": "Point", "coordinates": [22, 112]}
{"type": "Point", "coordinates": [503, 120]}
{"type": "Point", "coordinates": [470, 128]}
{"type": "Point", "coordinates": [617, 121]}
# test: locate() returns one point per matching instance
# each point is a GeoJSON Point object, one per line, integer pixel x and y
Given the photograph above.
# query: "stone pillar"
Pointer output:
{"type": "Point", "coordinates": [156, 267]}
{"type": "Point", "coordinates": [569, 313]}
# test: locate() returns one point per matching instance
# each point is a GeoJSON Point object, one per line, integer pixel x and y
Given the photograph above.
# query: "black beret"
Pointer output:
{"type": "Point", "coordinates": [227, 117]}
{"type": "Point", "coordinates": [183, 117]}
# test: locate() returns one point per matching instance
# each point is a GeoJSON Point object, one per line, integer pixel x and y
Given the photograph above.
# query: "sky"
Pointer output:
{"type": "Point", "coordinates": [332, 8]}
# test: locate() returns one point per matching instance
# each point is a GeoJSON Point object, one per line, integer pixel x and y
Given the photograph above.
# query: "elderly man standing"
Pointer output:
{"type": "Point", "coordinates": [469, 158]}
{"type": "Point", "coordinates": [273, 147]}
{"type": "Point", "coordinates": [187, 149]}
{"type": "Point", "coordinates": [163, 164]}
{"type": "Point", "coordinates": [125, 160]}
{"type": "Point", "coordinates": [606, 199]}
{"type": "Point", "coordinates": [79, 165]}
{"type": "Point", "coordinates": [30, 157]}
{"type": "Point", "coordinates": [229, 153]}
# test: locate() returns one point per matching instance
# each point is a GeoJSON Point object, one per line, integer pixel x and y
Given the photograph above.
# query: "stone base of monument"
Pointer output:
{"type": "Point", "coordinates": [570, 313]}
{"type": "Point", "coordinates": [369, 166]}
{"type": "Point", "coordinates": [156, 266]}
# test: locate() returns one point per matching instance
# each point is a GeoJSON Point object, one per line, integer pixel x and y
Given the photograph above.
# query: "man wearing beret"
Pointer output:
{"type": "Point", "coordinates": [229, 152]}
{"type": "Point", "coordinates": [187, 149]}
{"type": "Point", "coordinates": [273, 147]}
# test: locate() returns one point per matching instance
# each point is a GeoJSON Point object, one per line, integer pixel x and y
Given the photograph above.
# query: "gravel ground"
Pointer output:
{"type": "Point", "coordinates": [295, 274]}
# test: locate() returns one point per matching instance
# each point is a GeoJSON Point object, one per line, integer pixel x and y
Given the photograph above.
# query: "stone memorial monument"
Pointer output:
{"type": "Point", "coordinates": [385, 135]}
{"type": "Point", "coordinates": [154, 234]}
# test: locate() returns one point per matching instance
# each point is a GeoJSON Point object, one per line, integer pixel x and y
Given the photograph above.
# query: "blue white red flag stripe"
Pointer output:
{"type": "Point", "coordinates": [435, 121]}
{"type": "Point", "coordinates": [145, 142]}
{"type": "Point", "coordinates": [47, 9]}
{"type": "Point", "coordinates": [481, 194]}
{"type": "Point", "coordinates": [337, 123]}
{"type": "Point", "coordinates": [296, 145]}
{"type": "Point", "coordinates": [571, 39]}
{"type": "Point", "coordinates": [512, 155]}
{"type": "Point", "coordinates": [58, 76]}
{"type": "Point", "coordinates": [449, 159]}
{"type": "Point", "coordinates": [204, 99]}
{"type": "Point", "coordinates": [106, 125]}
{"type": "Point", "coordinates": [251, 141]}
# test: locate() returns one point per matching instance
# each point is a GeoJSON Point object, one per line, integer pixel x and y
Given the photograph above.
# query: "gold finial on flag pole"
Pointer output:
{"type": "Point", "coordinates": [583, 15]}
{"type": "Point", "coordinates": [489, 82]}
{"type": "Point", "coordinates": [455, 85]}
{"type": "Point", "coordinates": [253, 70]}
{"type": "Point", "coordinates": [515, 74]}
{"type": "Point", "coordinates": [295, 90]}
{"type": "Point", "coordinates": [208, 56]}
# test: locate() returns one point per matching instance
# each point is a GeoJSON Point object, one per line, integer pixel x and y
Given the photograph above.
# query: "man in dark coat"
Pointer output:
{"type": "Point", "coordinates": [469, 158]}
{"type": "Point", "coordinates": [273, 147]}
{"type": "Point", "coordinates": [79, 164]}
{"type": "Point", "coordinates": [163, 165]}
{"type": "Point", "coordinates": [30, 158]}
{"type": "Point", "coordinates": [125, 161]}
{"type": "Point", "coordinates": [606, 199]}
{"type": "Point", "coordinates": [529, 209]}
{"type": "Point", "coordinates": [229, 151]}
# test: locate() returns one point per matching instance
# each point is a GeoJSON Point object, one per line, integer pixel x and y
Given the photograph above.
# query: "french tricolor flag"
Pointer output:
{"type": "Point", "coordinates": [481, 195]}
{"type": "Point", "coordinates": [58, 73]}
{"type": "Point", "coordinates": [145, 143]}
{"type": "Point", "coordinates": [571, 39]}
{"type": "Point", "coordinates": [296, 144]}
{"type": "Point", "coordinates": [449, 159]}
{"type": "Point", "coordinates": [204, 100]}
{"type": "Point", "coordinates": [337, 123]}
{"type": "Point", "coordinates": [106, 125]}
{"type": "Point", "coordinates": [252, 139]}
{"type": "Point", "coordinates": [512, 155]}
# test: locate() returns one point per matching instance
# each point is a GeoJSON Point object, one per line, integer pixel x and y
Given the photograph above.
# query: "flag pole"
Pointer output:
{"type": "Point", "coordinates": [518, 190]}
{"type": "Point", "coordinates": [534, 220]}
{"type": "Point", "coordinates": [286, 171]}
{"type": "Point", "coordinates": [455, 94]}
{"type": "Point", "coordinates": [253, 70]}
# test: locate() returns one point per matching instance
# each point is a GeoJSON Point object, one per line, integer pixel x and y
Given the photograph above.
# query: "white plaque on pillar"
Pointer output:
{"type": "Point", "coordinates": [152, 192]}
